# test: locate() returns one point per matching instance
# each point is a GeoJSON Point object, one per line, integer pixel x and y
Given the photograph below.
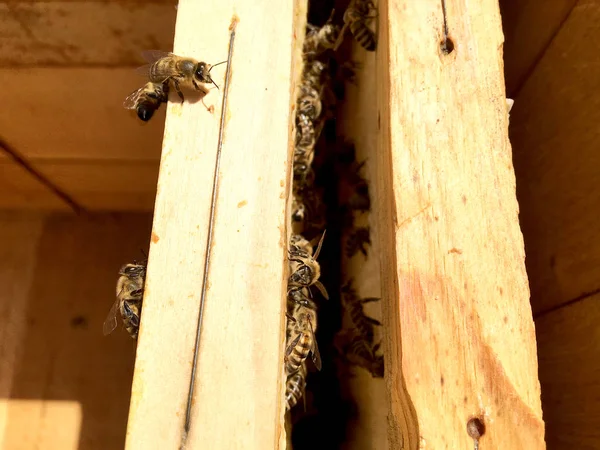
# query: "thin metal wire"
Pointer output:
{"type": "Point", "coordinates": [209, 238]}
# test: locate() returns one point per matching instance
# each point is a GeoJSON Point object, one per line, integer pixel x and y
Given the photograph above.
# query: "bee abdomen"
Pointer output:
{"type": "Point", "coordinates": [295, 387]}
{"type": "Point", "coordinates": [298, 354]}
{"type": "Point", "coordinates": [363, 35]}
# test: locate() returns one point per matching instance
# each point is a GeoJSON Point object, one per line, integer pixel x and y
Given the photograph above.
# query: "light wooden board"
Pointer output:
{"type": "Point", "coordinates": [238, 401]}
{"type": "Point", "coordinates": [456, 299]}
{"type": "Point", "coordinates": [529, 28]}
{"type": "Point", "coordinates": [555, 137]}
{"type": "Point", "coordinates": [63, 384]}
{"type": "Point", "coordinates": [569, 345]}
{"type": "Point", "coordinates": [76, 113]}
{"type": "Point", "coordinates": [83, 33]}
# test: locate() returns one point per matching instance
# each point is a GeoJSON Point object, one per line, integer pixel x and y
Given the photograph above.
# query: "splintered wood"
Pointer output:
{"type": "Point", "coordinates": [460, 336]}
{"type": "Point", "coordinates": [238, 396]}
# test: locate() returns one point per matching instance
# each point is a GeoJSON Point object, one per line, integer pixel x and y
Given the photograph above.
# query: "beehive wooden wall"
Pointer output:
{"type": "Point", "coordinates": [552, 60]}
{"type": "Point", "coordinates": [66, 68]}
{"type": "Point", "coordinates": [63, 385]}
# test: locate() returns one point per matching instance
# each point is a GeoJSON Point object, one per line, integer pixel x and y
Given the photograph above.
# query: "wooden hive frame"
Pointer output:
{"type": "Point", "coordinates": [459, 340]}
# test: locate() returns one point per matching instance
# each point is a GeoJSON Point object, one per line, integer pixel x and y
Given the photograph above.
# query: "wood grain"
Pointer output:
{"type": "Point", "coordinates": [21, 190]}
{"type": "Point", "coordinates": [91, 124]}
{"type": "Point", "coordinates": [569, 345]}
{"type": "Point", "coordinates": [529, 28]}
{"type": "Point", "coordinates": [63, 384]}
{"type": "Point", "coordinates": [554, 133]}
{"type": "Point", "coordinates": [461, 336]}
{"type": "Point", "coordinates": [238, 398]}
{"type": "Point", "coordinates": [71, 33]}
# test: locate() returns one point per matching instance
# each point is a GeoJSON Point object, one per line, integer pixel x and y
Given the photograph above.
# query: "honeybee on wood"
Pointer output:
{"type": "Point", "coordinates": [354, 305]}
{"type": "Point", "coordinates": [356, 17]}
{"type": "Point", "coordinates": [358, 239]}
{"type": "Point", "coordinates": [305, 270]}
{"type": "Point", "coordinates": [313, 74]}
{"type": "Point", "coordinates": [147, 99]}
{"type": "Point", "coordinates": [295, 387]}
{"type": "Point", "coordinates": [130, 291]}
{"type": "Point", "coordinates": [302, 324]}
{"type": "Point", "coordinates": [165, 67]}
{"type": "Point", "coordinates": [305, 138]}
{"type": "Point", "coordinates": [309, 102]}
{"type": "Point", "coordinates": [320, 39]}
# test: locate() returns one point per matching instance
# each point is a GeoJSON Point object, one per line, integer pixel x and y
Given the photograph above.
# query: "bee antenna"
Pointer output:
{"type": "Point", "coordinates": [213, 82]}
{"type": "Point", "coordinates": [215, 65]}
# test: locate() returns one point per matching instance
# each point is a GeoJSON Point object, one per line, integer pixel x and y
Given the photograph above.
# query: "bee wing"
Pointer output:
{"type": "Point", "coordinates": [293, 344]}
{"type": "Point", "coordinates": [152, 56]}
{"type": "Point", "coordinates": [316, 356]}
{"type": "Point", "coordinates": [110, 323]}
{"type": "Point", "coordinates": [131, 100]}
{"type": "Point", "coordinates": [321, 289]}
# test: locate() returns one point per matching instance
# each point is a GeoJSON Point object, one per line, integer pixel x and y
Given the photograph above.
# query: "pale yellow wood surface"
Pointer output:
{"type": "Point", "coordinates": [529, 28]}
{"type": "Point", "coordinates": [358, 122]}
{"type": "Point", "coordinates": [569, 345]}
{"type": "Point", "coordinates": [238, 401]}
{"type": "Point", "coordinates": [456, 299]}
{"type": "Point", "coordinates": [64, 385]}
{"type": "Point", "coordinates": [104, 33]}
{"type": "Point", "coordinates": [555, 138]}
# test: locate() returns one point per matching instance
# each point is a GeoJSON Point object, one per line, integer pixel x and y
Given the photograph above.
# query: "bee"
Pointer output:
{"type": "Point", "coordinates": [299, 243]}
{"type": "Point", "coordinates": [309, 102]}
{"type": "Point", "coordinates": [320, 39]}
{"type": "Point", "coordinates": [130, 291]}
{"type": "Point", "coordinates": [359, 353]}
{"type": "Point", "coordinates": [302, 324]}
{"type": "Point", "coordinates": [355, 17]}
{"type": "Point", "coordinates": [358, 239]}
{"type": "Point", "coordinates": [305, 138]}
{"type": "Point", "coordinates": [305, 270]}
{"type": "Point", "coordinates": [147, 99]}
{"type": "Point", "coordinates": [295, 387]}
{"type": "Point", "coordinates": [167, 67]}
{"type": "Point", "coordinates": [313, 74]}
{"type": "Point", "coordinates": [298, 209]}
{"type": "Point", "coordinates": [354, 305]}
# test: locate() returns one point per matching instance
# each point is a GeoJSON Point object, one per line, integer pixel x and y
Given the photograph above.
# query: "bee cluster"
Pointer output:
{"type": "Point", "coordinates": [320, 90]}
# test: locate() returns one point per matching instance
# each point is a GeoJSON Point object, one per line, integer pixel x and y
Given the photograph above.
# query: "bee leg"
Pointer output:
{"type": "Point", "coordinates": [178, 90]}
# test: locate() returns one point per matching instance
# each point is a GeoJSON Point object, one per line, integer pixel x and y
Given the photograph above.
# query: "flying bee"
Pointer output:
{"type": "Point", "coordinates": [295, 387]}
{"type": "Point", "coordinates": [305, 270]}
{"type": "Point", "coordinates": [130, 291]}
{"type": "Point", "coordinates": [354, 306]}
{"type": "Point", "coordinates": [147, 99]}
{"type": "Point", "coordinates": [167, 67]}
{"type": "Point", "coordinates": [356, 16]}
{"type": "Point", "coordinates": [303, 325]}
{"type": "Point", "coordinates": [358, 239]}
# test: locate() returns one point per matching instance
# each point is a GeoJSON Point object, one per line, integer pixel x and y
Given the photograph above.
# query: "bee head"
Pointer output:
{"type": "Point", "coordinates": [201, 73]}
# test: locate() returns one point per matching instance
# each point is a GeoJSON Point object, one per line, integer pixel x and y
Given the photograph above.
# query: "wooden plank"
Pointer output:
{"type": "Point", "coordinates": [569, 345]}
{"type": "Point", "coordinates": [461, 336]}
{"type": "Point", "coordinates": [554, 132]}
{"type": "Point", "coordinates": [94, 125]}
{"type": "Point", "coordinates": [238, 397]}
{"type": "Point", "coordinates": [105, 184]}
{"type": "Point", "coordinates": [529, 27]}
{"type": "Point", "coordinates": [57, 371]}
{"type": "Point", "coordinates": [68, 33]}
{"type": "Point", "coordinates": [20, 190]}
